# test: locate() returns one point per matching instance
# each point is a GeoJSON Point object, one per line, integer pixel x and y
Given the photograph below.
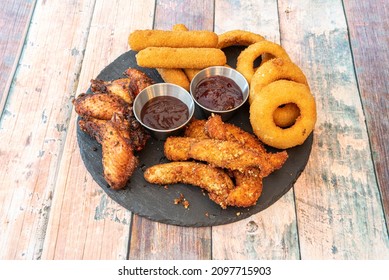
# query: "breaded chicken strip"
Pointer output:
{"type": "Point", "coordinates": [248, 188]}
{"type": "Point", "coordinates": [217, 129]}
{"type": "Point", "coordinates": [224, 154]}
{"type": "Point", "coordinates": [196, 129]}
{"type": "Point", "coordinates": [214, 180]}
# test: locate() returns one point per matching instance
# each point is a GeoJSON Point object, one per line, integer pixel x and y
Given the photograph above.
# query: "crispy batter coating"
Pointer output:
{"type": "Point", "coordinates": [248, 188]}
{"type": "Point", "coordinates": [119, 87]}
{"type": "Point", "coordinates": [196, 129]}
{"type": "Point", "coordinates": [197, 58]}
{"type": "Point", "coordinates": [224, 154]}
{"type": "Point", "coordinates": [274, 70]}
{"type": "Point", "coordinates": [271, 97]}
{"type": "Point", "coordinates": [238, 38]}
{"type": "Point", "coordinates": [245, 61]}
{"type": "Point", "coordinates": [141, 39]}
{"type": "Point", "coordinates": [100, 105]}
{"type": "Point", "coordinates": [214, 180]}
{"type": "Point", "coordinates": [217, 129]}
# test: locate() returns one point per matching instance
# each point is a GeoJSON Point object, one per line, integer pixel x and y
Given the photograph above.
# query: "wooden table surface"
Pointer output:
{"type": "Point", "coordinates": [51, 208]}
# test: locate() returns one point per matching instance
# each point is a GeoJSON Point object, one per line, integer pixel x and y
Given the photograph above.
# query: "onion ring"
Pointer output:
{"type": "Point", "coordinates": [245, 62]}
{"type": "Point", "coordinates": [264, 105]}
{"type": "Point", "coordinates": [238, 38]}
{"type": "Point", "coordinates": [286, 115]}
{"type": "Point", "coordinates": [273, 70]}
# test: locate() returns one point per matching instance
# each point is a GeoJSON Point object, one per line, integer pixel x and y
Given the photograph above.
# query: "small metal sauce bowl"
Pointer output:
{"type": "Point", "coordinates": [238, 78]}
{"type": "Point", "coordinates": [163, 89]}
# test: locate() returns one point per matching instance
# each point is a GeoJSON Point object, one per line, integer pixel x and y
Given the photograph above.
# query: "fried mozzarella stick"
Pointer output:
{"type": "Point", "coordinates": [174, 76]}
{"type": "Point", "coordinates": [164, 57]}
{"type": "Point", "coordinates": [217, 129]}
{"type": "Point", "coordinates": [214, 180]}
{"type": "Point", "coordinates": [141, 39]}
{"type": "Point", "coordinates": [224, 154]}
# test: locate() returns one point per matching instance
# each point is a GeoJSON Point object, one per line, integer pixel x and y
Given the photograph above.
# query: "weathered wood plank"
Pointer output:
{"type": "Point", "coordinates": [270, 234]}
{"type": "Point", "coordinates": [368, 24]}
{"type": "Point", "coordinates": [15, 19]}
{"type": "Point", "coordinates": [34, 124]}
{"type": "Point", "coordinates": [84, 223]}
{"type": "Point", "coordinates": [337, 198]}
{"type": "Point", "coordinates": [150, 240]}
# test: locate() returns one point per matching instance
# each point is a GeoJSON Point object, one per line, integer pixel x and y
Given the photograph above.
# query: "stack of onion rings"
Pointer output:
{"type": "Point", "coordinates": [245, 62]}
{"type": "Point", "coordinates": [282, 108]}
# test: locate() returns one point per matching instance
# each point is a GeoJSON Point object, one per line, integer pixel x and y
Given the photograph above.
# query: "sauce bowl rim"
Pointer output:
{"type": "Point", "coordinates": [245, 97]}
{"type": "Point", "coordinates": [191, 108]}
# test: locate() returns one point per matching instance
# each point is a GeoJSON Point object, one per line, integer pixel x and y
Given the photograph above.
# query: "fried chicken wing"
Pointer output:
{"type": "Point", "coordinates": [100, 106]}
{"type": "Point", "coordinates": [217, 129]}
{"type": "Point", "coordinates": [119, 161]}
{"type": "Point", "coordinates": [224, 154]}
{"type": "Point", "coordinates": [214, 180]}
{"type": "Point", "coordinates": [119, 87]}
{"type": "Point", "coordinates": [138, 80]}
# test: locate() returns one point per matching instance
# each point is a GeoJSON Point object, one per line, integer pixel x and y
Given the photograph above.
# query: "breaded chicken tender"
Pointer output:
{"type": "Point", "coordinates": [224, 154]}
{"type": "Point", "coordinates": [248, 188]}
{"type": "Point", "coordinates": [196, 129]}
{"type": "Point", "coordinates": [217, 129]}
{"type": "Point", "coordinates": [214, 180]}
{"type": "Point", "coordinates": [141, 39]}
{"type": "Point", "coordinates": [165, 57]}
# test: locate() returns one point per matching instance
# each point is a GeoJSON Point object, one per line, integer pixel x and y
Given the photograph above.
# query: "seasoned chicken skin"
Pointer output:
{"type": "Point", "coordinates": [100, 105]}
{"type": "Point", "coordinates": [119, 161]}
{"type": "Point", "coordinates": [138, 80]}
{"type": "Point", "coordinates": [119, 87]}
{"type": "Point", "coordinates": [214, 180]}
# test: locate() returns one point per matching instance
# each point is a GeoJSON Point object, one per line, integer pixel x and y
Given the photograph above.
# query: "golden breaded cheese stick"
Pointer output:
{"type": "Point", "coordinates": [164, 57]}
{"type": "Point", "coordinates": [141, 39]}
{"type": "Point", "coordinates": [174, 76]}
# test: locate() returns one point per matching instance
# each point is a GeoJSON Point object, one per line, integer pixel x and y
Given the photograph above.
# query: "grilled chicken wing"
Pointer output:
{"type": "Point", "coordinates": [214, 180]}
{"type": "Point", "coordinates": [118, 159]}
{"type": "Point", "coordinates": [119, 87]}
{"type": "Point", "coordinates": [138, 80]}
{"type": "Point", "coordinates": [100, 106]}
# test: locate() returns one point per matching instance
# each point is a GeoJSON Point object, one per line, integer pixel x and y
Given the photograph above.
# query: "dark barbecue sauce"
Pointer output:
{"type": "Point", "coordinates": [218, 93]}
{"type": "Point", "coordinates": [164, 112]}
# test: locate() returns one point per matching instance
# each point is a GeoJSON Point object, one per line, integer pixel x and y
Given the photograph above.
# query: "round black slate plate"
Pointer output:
{"type": "Point", "coordinates": [156, 202]}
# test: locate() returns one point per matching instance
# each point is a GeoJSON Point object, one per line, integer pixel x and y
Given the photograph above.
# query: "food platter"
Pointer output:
{"type": "Point", "coordinates": [157, 202]}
